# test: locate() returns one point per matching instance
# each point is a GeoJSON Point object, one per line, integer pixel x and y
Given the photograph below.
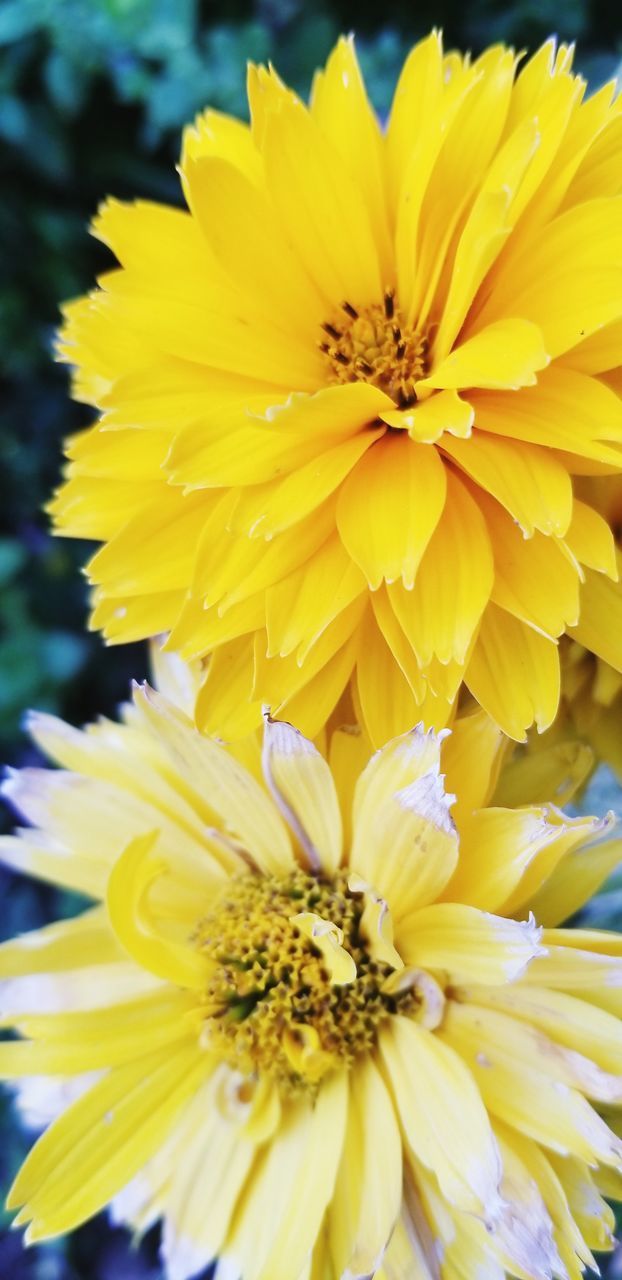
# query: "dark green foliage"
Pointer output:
{"type": "Point", "coordinates": [93, 94]}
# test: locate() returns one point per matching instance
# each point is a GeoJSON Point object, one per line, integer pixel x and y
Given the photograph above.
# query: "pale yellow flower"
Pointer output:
{"type": "Point", "coordinates": [329, 1037]}
{"type": "Point", "coordinates": [344, 397]}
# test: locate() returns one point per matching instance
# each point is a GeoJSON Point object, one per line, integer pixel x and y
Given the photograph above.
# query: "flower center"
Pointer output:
{"type": "Point", "coordinates": [294, 990]}
{"type": "Point", "coordinates": [373, 345]}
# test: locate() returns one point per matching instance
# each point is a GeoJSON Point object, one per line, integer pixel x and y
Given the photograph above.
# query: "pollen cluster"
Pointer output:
{"type": "Point", "coordinates": [270, 1005]}
{"type": "Point", "coordinates": [373, 345]}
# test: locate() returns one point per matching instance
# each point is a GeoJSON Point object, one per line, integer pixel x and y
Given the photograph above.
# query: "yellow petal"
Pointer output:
{"type": "Point", "coordinates": [89, 1040]}
{"type": "Point", "coordinates": [514, 674]}
{"type": "Point", "coordinates": [385, 702]}
{"type": "Point", "coordinates": [302, 785]}
{"type": "Point", "coordinates": [368, 1190]}
{"type": "Point", "coordinates": [301, 606]}
{"type": "Point", "coordinates": [472, 756]}
{"type": "Point", "coordinates": [219, 338]}
{"type": "Point", "coordinates": [533, 486]}
{"type": "Point", "coordinates": [376, 924]}
{"type": "Point", "coordinates": [453, 582]}
{"type": "Point", "coordinates": [28, 856]}
{"type": "Point", "coordinates": [567, 410]}
{"type": "Point", "coordinates": [394, 767]}
{"type": "Point", "coordinates": [520, 1084]}
{"type": "Point", "coordinates": [237, 449]}
{"type": "Point", "coordinates": [103, 1139]}
{"type": "Point", "coordinates": [230, 568]}
{"type": "Point", "coordinates": [534, 579]}
{"type": "Point", "coordinates": [126, 619]}
{"type": "Point", "coordinates": [265, 513]}
{"type": "Point", "coordinates": [241, 804]}
{"type": "Point", "coordinates": [207, 1182]}
{"type": "Point", "coordinates": [86, 940]}
{"type": "Point", "coordinates": [555, 773]}
{"type": "Point", "coordinates": [470, 138]}
{"type": "Point", "coordinates": [319, 206]}
{"type": "Point", "coordinates": [427, 421]}
{"type": "Point", "coordinates": [600, 624]}
{"type": "Point", "coordinates": [155, 550]}
{"type": "Point", "coordinates": [242, 232]}
{"type": "Point", "coordinates": [333, 412]}
{"type": "Point", "coordinates": [579, 836]}
{"type": "Point", "coordinates": [198, 630]}
{"type": "Point", "coordinates": [389, 507]}
{"type": "Point", "coordinates": [462, 941]}
{"type": "Point", "coordinates": [225, 706]}
{"type": "Point", "coordinates": [401, 652]}
{"type": "Point", "coordinates": [443, 1116]}
{"type": "Point", "coordinates": [327, 937]}
{"type": "Point", "coordinates": [416, 96]}
{"type": "Point", "coordinates": [506, 354]}
{"type": "Point", "coordinates": [525, 1237]}
{"type": "Point", "coordinates": [312, 705]}
{"type": "Point", "coordinates": [131, 877]}
{"type": "Point", "coordinates": [591, 540]}
{"type": "Point", "coordinates": [348, 753]}
{"type": "Point", "coordinates": [577, 878]}
{"type": "Point", "coordinates": [568, 1021]}
{"type": "Point", "coordinates": [277, 680]}
{"type": "Point", "coordinates": [409, 850]}
{"type": "Point", "coordinates": [342, 110]}
{"type": "Point", "coordinates": [486, 229]}
{"type": "Point", "coordinates": [568, 305]}
{"type": "Point", "coordinates": [511, 1043]}
{"type": "Point", "coordinates": [214, 134]}
{"type": "Point", "coordinates": [496, 847]}
{"type": "Point", "coordinates": [310, 1190]}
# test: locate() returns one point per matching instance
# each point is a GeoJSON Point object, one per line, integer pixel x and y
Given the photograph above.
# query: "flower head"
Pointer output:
{"type": "Point", "coordinates": [325, 1028]}
{"type": "Point", "coordinates": [343, 397]}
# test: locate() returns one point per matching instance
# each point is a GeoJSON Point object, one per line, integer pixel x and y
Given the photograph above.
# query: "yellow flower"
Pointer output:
{"type": "Point", "coordinates": [329, 1037]}
{"type": "Point", "coordinates": [344, 396]}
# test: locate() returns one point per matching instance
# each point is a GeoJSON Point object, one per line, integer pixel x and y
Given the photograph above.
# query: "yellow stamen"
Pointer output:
{"type": "Point", "coordinates": [373, 345]}
{"type": "Point", "coordinates": [294, 989]}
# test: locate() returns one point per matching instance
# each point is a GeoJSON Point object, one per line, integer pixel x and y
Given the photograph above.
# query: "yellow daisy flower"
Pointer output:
{"type": "Point", "coordinates": [344, 395]}
{"type": "Point", "coordinates": [311, 1018]}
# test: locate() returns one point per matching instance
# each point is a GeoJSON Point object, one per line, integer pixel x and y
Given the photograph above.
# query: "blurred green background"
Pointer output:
{"type": "Point", "coordinates": [93, 94]}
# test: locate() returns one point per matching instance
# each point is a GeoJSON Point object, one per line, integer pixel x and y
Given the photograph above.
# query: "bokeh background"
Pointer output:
{"type": "Point", "coordinates": [93, 95]}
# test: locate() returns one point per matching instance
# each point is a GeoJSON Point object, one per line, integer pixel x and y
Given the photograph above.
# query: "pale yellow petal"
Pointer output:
{"type": "Point", "coordinates": [409, 849]}
{"type": "Point", "coordinates": [368, 1190]}
{"type": "Point", "coordinates": [303, 787]}
{"type": "Point", "coordinates": [443, 1116]}
{"type": "Point", "coordinates": [100, 1141]}
{"type": "Point", "coordinates": [242, 805]}
{"type": "Point", "coordinates": [131, 878]}
{"type": "Point", "coordinates": [460, 941]}
{"type": "Point", "coordinates": [520, 1084]}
